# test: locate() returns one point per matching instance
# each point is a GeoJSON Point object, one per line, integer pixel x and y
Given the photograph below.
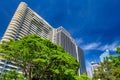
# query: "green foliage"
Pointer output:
{"type": "Point", "coordinates": [109, 70]}
{"type": "Point", "coordinates": [12, 75]}
{"type": "Point", "coordinates": [82, 77]}
{"type": "Point", "coordinates": [118, 50]}
{"type": "Point", "coordinates": [40, 59]}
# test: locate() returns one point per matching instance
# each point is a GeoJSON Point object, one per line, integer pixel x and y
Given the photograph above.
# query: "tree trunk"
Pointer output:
{"type": "Point", "coordinates": [30, 73]}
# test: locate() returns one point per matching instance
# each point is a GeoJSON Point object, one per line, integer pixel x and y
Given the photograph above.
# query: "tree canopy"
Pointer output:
{"type": "Point", "coordinates": [109, 69]}
{"type": "Point", "coordinates": [82, 77]}
{"type": "Point", "coordinates": [12, 75]}
{"type": "Point", "coordinates": [40, 59]}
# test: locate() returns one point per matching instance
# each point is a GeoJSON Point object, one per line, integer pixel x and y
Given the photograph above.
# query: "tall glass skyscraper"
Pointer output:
{"type": "Point", "coordinates": [25, 21]}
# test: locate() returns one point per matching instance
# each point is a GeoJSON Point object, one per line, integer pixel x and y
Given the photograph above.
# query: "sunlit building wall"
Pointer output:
{"type": "Point", "coordinates": [64, 39]}
{"type": "Point", "coordinates": [25, 21]}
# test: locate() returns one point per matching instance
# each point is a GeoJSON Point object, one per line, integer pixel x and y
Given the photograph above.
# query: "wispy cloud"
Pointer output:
{"type": "Point", "coordinates": [111, 47]}
{"type": "Point", "coordinates": [91, 46]}
{"type": "Point", "coordinates": [78, 40]}
{"type": "Point", "coordinates": [101, 47]}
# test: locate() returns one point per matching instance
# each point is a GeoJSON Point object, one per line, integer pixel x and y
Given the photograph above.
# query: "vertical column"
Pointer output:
{"type": "Point", "coordinates": [78, 59]}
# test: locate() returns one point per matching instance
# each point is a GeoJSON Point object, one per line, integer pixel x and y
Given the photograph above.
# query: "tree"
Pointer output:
{"type": "Point", "coordinates": [40, 59]}
{"type": "Point", "coordinates": [82, 77]}
{"type": "Point", "coordinates": [104, 71]}
{"type": "Point", "coordinates": [12, 75]}
{"type": "Point", "coordinates": [118, 50]}
{"type": "Point", "coordinates": [110, 69]}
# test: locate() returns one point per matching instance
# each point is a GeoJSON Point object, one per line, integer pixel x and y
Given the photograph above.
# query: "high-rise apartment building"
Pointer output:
{"type": "Point", "coordinates": [81, 60]}
{"type": "Point", "coordinates": [64, 39]}
{"type": "Point", "coordinates": [104, 56]}
{"type": "Point", "coordinates": [7, 65]}
{"type": "Point", "coordinates": [94, 67]}
{"type": "Point", "coordinates": [25, 21]}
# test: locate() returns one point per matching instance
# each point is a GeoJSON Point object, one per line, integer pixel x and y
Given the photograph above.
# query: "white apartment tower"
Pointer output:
{"type": "Point", "coordinates": [25, 21]}
{"type": "Point", "coordinates": [94, 67]}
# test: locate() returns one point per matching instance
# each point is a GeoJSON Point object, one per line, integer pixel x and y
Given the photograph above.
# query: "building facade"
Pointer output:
{"type": "Point", "coordinates": [64, 39]}
{"type": "Point", "coordinates": [25, 21]}
{"type": "Point", "coordinates": [7, 65]}
{"type": "Point", "coordinates": [88, 74]}
{"type": "Point", "coordinates": [104, 56]}
{"type": "Point", "coordinates": [81, 60]}
{"type": "Point", "coordinates": [94, 67]}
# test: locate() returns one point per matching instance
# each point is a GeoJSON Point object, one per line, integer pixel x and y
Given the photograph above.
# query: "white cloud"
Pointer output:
{"type": "Point", "coordinates": [111, 47]}
{"type": "Point", "coordinates": [98, 46]}
{"type": "Point", "coordinates": [79, 41]}
{"type": "Point", "coordinates": [91, 46]}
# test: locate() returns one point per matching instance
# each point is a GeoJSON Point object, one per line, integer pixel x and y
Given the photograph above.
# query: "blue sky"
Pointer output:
{"type": "Point", "coordinates": [94, 24]}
